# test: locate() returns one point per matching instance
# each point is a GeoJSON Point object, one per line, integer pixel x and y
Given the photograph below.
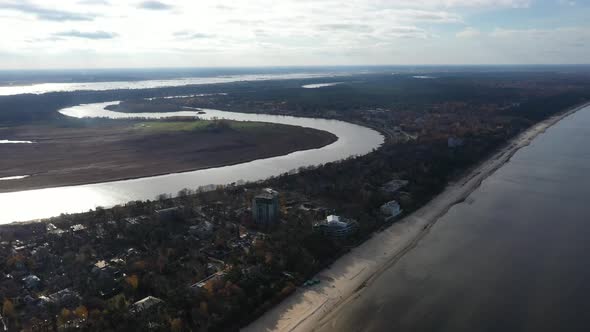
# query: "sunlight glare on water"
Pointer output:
{"type": "Point", "coordinates": [353, 140]}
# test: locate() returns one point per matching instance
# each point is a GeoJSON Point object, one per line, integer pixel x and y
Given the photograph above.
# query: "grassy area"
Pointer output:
{"type": "Point", "coordinates": [198, 125]}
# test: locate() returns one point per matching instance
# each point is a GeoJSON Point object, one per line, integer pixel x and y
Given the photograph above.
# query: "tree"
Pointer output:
{"type": "Point", "coordinates": [268, 257]}
{"type": "Point", "coordinates": [204, 309]}
{"type": "Point", "coordinates": [81, 312]}
{"type": "Point", "coordinates": [176, 325]}
{"type": "Point", "coordinates": [133, 281]}
{"type": "Point", "coordinates": [8, 308]}
{"type": "Point", "coordinates": [64, 316]}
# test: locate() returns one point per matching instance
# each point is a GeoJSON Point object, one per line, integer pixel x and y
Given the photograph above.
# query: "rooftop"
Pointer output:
{"type": "Point", "coordinates": [335, 221]}
{"type": "Point", "coordinates": [268, 193]}
{"type": "Point", "coordinates": [145, 304]}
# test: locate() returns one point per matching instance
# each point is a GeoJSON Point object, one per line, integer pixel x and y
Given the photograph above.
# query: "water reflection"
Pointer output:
{"type": "Point", "coordinates": [320, 85]}
{"type": "Point", "coordinates": [40, 88]}
{"type": "Point", "coordinates": [6, 141]}
{"type": "Point", "coordinates": [352, 140]}
{"type": "Point", "coordinates": [16, 177]}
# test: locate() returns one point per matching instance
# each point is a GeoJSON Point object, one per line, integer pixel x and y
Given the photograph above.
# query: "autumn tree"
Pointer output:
{"type": "Point", "coordinates": [133, 281]}
{"type": "Point", "coordinates": [8, 308]}
{"type": "Point", "coordinates": [81, 312]}
{"type": "Point", "coordinates": [64, 316]}
{"type": "Point", "coordinates": [176, 325]}
{"type": "Point", "coordinates": [204, 309]}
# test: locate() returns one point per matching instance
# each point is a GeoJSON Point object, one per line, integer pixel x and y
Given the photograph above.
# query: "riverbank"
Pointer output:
{"type": "Point", "coordinates": [309, 308]}
{"type": "Point", "coordinates": [64, 156]}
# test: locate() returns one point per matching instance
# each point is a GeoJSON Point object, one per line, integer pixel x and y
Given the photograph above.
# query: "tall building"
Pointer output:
{"type": "Point", "coordinates": [265, 207]}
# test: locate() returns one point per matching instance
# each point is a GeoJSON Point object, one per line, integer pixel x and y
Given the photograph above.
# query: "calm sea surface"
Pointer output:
{"type": "Point", "coordinates": [514, 257]}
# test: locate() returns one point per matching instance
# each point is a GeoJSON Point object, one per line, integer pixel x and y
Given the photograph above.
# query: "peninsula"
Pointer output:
{"type": "Point", "coordinates": [80, 152]}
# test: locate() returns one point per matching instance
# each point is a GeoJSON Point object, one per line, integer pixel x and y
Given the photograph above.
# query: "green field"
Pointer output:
{"type": "Point", "coordinates": [199, 125]}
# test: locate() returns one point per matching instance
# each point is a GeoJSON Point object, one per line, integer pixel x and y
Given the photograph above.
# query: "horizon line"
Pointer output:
{"type": "Point", "coordinates": [297, 66]}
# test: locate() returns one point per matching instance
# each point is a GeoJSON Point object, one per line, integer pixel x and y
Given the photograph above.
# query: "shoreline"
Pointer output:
{"type": "Point", "coordinates": [312, 307]}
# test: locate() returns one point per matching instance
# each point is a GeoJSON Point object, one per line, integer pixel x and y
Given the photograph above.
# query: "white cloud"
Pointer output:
{"type": "Point", "coordinates": [154, 5]}
{"type": "Point", "coordinates": [469, 32]}
{"type": "Point", "coordinates": [85, 35]}
{"type": "Point", "coordinates": [557, 34]}
{"type": "Point", "coordinates": [460, 3]}
{"type": "Point", "coordinates": [254, 32]}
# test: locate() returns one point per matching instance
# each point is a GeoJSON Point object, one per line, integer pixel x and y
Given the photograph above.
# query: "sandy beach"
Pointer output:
{"type": "Point", "coordinates": [311, 307]}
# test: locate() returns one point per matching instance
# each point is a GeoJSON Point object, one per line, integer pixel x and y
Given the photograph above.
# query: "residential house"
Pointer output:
{"type": "Point", "coordinates": [336, 227]}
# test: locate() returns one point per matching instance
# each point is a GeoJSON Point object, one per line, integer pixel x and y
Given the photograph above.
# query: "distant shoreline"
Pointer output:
{"type": "Point", "coordinates": [310, 308]}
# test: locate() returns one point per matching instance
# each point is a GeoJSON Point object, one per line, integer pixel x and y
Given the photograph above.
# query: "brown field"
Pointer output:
{"type": "Point", "coordinates": [112, 151]}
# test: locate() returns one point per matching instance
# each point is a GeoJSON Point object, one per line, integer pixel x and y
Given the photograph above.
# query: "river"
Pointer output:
{"type": "Point", "coordinates": [353, 140]}
{"type": "Point", "coordinates": [511, 257]}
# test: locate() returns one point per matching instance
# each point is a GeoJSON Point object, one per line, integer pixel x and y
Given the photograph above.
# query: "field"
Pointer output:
{"type": "Point", "coordinates": [83, 152]}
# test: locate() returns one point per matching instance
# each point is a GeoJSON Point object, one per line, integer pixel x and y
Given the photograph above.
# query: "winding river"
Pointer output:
{"type": "Point", "coordinates": [353, 140]}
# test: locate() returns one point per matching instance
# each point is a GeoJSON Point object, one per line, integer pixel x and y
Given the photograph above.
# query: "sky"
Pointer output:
{"type": "Point", "coordinates": [221, 33]}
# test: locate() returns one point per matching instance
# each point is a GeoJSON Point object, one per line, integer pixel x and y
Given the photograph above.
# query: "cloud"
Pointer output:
{"type": "Point", "coordinates": [154, 5]}
{"type": "Point", "coordinates": [46, 14]}
{"type": "Point", "coordinates": [415, 15]}
{"type": "Point", "coordinates": [94, 2]}
{"type": "Point", "coordinates": [458, 3]}
{"type": "Point", "coordinates": [245, 22]}
{"type": "Point", "coordinates": [224, 7]}
{"type": "Point", "coordinates": [354, 27]}
{"type": "Point", "coordinates": [267, 32]}
{"type": "Point", "coordinates": [468, 32]}
{"type": "Point", "coordinates": [85, 35]}
{"type": "Point", "coordinates": [191, 35]}
{"type": "Point", "coordinates": [406, 32]}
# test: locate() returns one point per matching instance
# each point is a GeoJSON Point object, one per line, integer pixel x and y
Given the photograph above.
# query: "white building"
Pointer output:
{"type": "Point", "coordinates": [391, 209]}
{"type": "Point", "coordinates": [336, 227]}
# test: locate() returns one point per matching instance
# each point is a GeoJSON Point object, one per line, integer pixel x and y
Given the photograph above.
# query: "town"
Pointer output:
{"type": "Point", "coordinates": [213, 252]}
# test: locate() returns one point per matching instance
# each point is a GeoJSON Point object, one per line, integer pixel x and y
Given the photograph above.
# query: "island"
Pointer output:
{"type": "Point", "coordinates": [89, 151]}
